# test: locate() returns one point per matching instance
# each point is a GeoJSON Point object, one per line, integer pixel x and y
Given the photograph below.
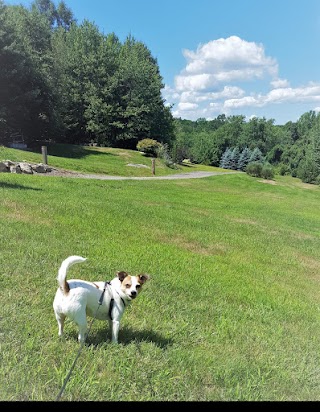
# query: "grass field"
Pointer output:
{"type": "Point", "coordinates": [103, 160]}
{"type": "Point", "coordinates": [231, 312]}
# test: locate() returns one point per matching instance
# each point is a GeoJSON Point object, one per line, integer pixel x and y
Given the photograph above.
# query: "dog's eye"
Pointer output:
{"type": "Point", "coordinates": [128, 286]}
{"type": "Point", "coordinates": [138, 286]}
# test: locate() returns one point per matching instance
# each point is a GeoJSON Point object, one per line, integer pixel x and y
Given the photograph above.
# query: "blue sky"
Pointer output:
{"type": "Point", "coordinates": [250, 57]}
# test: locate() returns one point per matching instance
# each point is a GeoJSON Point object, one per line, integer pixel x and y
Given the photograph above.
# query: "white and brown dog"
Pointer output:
{"type": "Point", "coordinates": [77, 298]}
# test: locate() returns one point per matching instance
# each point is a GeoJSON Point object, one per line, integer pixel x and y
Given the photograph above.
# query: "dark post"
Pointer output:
{"type": "Point", "coordinates": [44, 154]}
{"type": "Point", "coordinates": [153, 166]}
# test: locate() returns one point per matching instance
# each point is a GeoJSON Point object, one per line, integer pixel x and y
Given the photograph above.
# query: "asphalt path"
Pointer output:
{"type": "Point", "coordinates": [189, 175]}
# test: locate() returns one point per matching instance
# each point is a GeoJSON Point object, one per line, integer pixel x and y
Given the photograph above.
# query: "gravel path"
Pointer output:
{"type": "Point", "coordinates": [190, 175]}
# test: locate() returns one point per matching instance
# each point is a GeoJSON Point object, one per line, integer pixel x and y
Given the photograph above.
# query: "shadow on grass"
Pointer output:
{"type": "Point", "coordinates": [6, 185]}
{"type": "Point", "coordinates": [70, 151]}
{"type": "Point", "coordinates": [128, 335]}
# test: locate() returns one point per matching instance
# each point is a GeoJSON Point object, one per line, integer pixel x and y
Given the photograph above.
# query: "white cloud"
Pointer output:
{"type": "Point", "coordinates": [283, 95]}
{"type": "Point", "coordinates": [187, 106]}
{"type": "Point", "coordinates": [227, 75]}
{"type": "Point", "coordinates": [278, 83]}
{"type": "Point", "coordinates": [224, 60]}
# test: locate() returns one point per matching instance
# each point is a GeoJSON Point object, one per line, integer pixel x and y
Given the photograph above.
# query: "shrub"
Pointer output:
{"type": "Point", "coordinates": [258, 169]}
{"type": "Point", "coordinates": [267, 171]}
{"type": "Point", "coordinates": [307, 170]}
{"type": "Point", "coordinates": [148, 147]}
{"type": "Point", "coordinates": [283, 169]}
{"type": "Point", "coordinates": [162, 152]}
{"type": "Point", "coordinates": [254, 169]}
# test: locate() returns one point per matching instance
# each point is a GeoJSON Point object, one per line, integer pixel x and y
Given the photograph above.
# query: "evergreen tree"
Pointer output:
{"type": "Point", "coordinates": [244, 159]}
{"type": "Point", "coordinates": [256, 156]}
{"type": "Point", "coordinates": [234, 158]}
{"type": "Point", "coordinates": [225, 161]}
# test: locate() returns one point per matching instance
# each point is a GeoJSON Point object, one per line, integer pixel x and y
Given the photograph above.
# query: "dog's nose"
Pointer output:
{"type": "Point", "coordinates": [133, 293]}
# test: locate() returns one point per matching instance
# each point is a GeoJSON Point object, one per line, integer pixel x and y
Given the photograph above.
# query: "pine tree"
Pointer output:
{"type": "Point", "coordinates": [225, 161]}
{"type": "Point", "coordinates": [244, 158]}
{"type": "Point", "coordinates": [234, 158]}
{"type": "Point", "coordinates": [256, 156]}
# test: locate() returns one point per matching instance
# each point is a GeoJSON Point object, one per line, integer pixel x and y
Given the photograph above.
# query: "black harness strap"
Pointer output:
{"type": "Point", "coordinates": [111, 301]}
{"type": "Point", "coordinates": [111, 307]}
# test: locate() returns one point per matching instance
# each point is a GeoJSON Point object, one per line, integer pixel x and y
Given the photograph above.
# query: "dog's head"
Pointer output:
{"type": "Point", "coordinates": [131, 285]}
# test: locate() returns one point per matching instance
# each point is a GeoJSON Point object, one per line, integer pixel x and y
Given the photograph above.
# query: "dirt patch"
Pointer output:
{"type": "Point", "coordinates": [270, 182]}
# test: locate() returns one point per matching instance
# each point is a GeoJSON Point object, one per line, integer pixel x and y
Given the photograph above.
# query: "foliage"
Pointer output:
{"type": "Point", "coordinates": [70, 83]}
{"type": "Point", "coordinates": [267, 171]}
{"type": "Point", "coordinates": [148, 146]}
{"type": "Point", "coordinates": [244, 158]}
{"type": "Point", "coordinates": [258, 169]}
{"type": "Point", "coordinates": [162, 152]}
{"type": "Point", "coordinates": [254, 169]}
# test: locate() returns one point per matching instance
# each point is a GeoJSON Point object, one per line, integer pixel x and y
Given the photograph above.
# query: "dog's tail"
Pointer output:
{"type": "Point", "coordinates": [62, 274]}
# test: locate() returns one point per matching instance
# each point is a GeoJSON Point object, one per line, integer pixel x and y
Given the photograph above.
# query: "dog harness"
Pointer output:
{"type": "Point", "coordinates": [112, 299]}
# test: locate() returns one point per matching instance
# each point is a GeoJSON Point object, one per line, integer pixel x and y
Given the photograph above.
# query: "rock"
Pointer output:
{"type": "Point", "coordinates": [4, 167]}
{"type": "Point", "coordinates": [23, 167]}
{"type": "Point", "coordinates": [15, 169]}
{"type": "Point", "coordinates": [26, 168]}
{"type": "Point", "coordinates": [41, 168]}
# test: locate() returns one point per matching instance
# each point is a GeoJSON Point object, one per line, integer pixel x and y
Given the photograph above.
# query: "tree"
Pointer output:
{"type": "Point", "coordinates": [225, 161]}
{"type": "Point", "coordinates": [234, 158]}
{"type": "Point", "coordinates": [142, 113]}
{"type": "Point", "coordinates": [244, 158]}
{"type": "Point", "coordinates": [25, 82]}
{"type": "Point", "coordinates": [60, 16]}
{"type": "Point", "coordinates": [256, 156]}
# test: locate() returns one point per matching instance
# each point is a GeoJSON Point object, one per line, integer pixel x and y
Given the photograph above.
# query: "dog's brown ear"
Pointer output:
{"type": "Point", "coordinates": [121, 275]}
{"type": "Point", "coordinates": [143, 277]}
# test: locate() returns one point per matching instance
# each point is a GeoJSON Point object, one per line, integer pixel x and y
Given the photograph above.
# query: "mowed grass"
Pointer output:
{"type": "Point", "coordinates": [231, 312]}
{"type": "Point", "coordinates": [100, 160]}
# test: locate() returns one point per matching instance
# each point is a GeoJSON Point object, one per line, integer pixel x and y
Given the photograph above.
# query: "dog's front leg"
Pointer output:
{"type": "Point", "coordinates": [115, 325]}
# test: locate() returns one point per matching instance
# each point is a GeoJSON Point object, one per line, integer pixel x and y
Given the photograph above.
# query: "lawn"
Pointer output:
{"type": "Point", "coordinates": [231, 312]}
{"type": "Point", "coordinates": [101, 160]}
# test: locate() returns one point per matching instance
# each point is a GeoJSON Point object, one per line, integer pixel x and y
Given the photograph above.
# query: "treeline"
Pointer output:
{"type": "Point", "coordinates": [293, 148]}
{"type": "Point", "coordinates": [65, 82]}
{"type": "Point", "coordinates": [70, 83]}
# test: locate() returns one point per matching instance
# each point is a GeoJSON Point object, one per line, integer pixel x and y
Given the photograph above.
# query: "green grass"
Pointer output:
{"type": "Point", "coordinates": [99, 160]}
{"type": "Point", "coordinates": [231, 311]}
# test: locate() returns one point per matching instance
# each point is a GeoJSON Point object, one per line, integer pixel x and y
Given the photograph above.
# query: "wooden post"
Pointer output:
{"type": "Point", "coordinates": [44, 154]}
{"type": "Point", "coordinates": [153, 166]}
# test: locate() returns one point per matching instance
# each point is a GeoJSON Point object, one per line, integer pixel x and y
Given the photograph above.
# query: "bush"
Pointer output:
{"type": "Point", "coordinates": [163, 153]}
{"type": "Point", "coordinates": [283, 169]}
{"type": "Point", "coordinates": [254, 169]}
{"type": "Point", "coordinates": [148, 146]}
{"type": "Point", "coordinates": [267, 172]}
{"type": "Point", "coordinates": [257, 169]}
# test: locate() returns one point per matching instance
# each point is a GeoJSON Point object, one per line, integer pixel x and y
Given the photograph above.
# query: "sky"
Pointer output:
{"type": "Point", "coordinates": [234, 57]}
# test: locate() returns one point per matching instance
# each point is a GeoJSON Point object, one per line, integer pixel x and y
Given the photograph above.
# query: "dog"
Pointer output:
{"type": "Point", "coordinates": [77, 299]}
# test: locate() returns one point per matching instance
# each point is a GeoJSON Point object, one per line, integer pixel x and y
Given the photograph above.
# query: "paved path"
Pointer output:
{"type": "Point", "coordinates": [190, 175]}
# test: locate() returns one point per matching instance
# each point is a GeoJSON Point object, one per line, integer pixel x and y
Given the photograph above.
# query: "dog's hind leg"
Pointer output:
{"type": "Point", "coordinates": [81, 321]}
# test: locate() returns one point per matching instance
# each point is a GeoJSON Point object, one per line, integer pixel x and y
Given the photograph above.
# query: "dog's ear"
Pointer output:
{"type": "Point", "coordinates": [121, 275]}
{"type": "Point", "coordinates": [143, 277]}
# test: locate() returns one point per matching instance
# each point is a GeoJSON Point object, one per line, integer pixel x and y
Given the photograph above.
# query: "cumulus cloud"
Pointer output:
{"type": "Point", "coordinates": [309, 93]}
{"type": "Point", "coordinates": [225, 75]}
{"type": "Point", "coordinates": [187, 106]}
{"type": "Point", "coordinates": [278, 83]}
{"type": "Point", "coordinates": [224, 60]}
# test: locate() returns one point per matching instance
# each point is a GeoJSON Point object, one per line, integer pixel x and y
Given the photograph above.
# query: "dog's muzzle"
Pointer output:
{"type": "Point", "coordinates": [133, 294]}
